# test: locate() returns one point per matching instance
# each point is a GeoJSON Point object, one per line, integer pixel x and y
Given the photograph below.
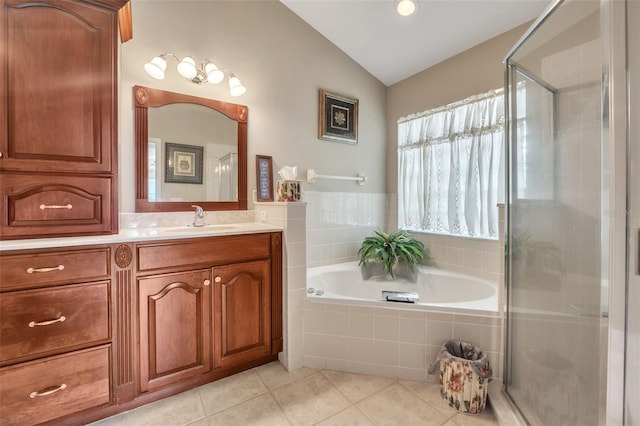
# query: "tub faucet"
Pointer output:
{"type": "Point", "coordinates": [198, 220]}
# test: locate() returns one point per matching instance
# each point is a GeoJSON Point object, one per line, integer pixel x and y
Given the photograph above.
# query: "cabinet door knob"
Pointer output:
{"type": "Point", "coordinates": [207, 282]}
{"type": "Point", "coordinates": [218, 279]}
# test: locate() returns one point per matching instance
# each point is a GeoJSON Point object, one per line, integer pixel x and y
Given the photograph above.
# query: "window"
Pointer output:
{"type": "Point", "coordinates": [450, 167]}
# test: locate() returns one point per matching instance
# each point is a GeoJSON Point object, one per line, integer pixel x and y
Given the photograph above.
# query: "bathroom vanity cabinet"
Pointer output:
{"type": "Point", "coordinates": [58, 156]}
{"type": "Point", "coordinates": [91, 331]}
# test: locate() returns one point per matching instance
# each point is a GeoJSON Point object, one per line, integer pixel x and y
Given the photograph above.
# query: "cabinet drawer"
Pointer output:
{"type": "Point", "coordinates": [39, 391]}
{"type": "Point", "coordinates": [39, 321]}
{"type": "Point", "coordinates": [202, 251]}
{"type": "Point", "coordinates": [56, 267]}
{"type": "Point", "coordinates": [34, 205]}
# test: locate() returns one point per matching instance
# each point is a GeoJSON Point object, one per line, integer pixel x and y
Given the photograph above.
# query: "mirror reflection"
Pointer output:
{"type": "Point", "coordinates": [192, 154]}
{"type": "Point", "coordinates": [189, 150]}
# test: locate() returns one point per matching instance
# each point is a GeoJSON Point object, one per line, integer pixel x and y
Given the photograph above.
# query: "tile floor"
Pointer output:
{"type": "Point", "coordinates": [269, 395]}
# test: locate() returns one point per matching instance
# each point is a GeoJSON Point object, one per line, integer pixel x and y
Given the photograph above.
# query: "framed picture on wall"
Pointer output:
{"type": "Point", "coordinates": [338, 118]}
{"type": "Point", "coordinates": [264, 178]}
{"type": "Point", "coordinates": [183, 163]}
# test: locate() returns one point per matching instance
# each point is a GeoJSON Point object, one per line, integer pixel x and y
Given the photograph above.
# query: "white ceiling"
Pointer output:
{"type": "Point", "coordinates": [392, 47]}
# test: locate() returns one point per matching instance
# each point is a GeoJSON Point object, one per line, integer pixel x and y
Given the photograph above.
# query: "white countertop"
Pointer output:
{"type": "Point", "coordinates": [140, 234]}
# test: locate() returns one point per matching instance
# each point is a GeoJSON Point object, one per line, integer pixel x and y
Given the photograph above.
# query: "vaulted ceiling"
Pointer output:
{"type": "Point", "coordinates": [392, 47]}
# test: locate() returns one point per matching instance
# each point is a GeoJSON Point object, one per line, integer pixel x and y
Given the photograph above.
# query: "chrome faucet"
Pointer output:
{"type": "Point", "coordinates": [198, 220]}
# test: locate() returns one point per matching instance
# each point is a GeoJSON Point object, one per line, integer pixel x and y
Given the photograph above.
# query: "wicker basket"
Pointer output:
{"type": "Point", "coordinates": [464, 376]}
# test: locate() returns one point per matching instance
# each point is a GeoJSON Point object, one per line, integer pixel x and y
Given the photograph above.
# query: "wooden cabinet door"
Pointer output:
{"type": "Point", "coordinates": [242, 312]}
{"type": "Point", "coordinates": [174, 327]}
{"type": "Point", "coordinates": [58, 71]}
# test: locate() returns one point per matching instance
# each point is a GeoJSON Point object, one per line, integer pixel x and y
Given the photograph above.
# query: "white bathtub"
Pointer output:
{"type": "Point", "coordinates": [438, 289]}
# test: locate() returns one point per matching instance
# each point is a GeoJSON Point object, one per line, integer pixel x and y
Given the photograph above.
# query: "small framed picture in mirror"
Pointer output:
{"type": "Point", "coordinates": [264, 178]}
{"type": "Point", "coordinates": [183, 163]}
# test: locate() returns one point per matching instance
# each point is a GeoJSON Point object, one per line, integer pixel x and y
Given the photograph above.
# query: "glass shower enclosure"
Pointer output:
{"type": "Point", "coordinates": [560, 229]}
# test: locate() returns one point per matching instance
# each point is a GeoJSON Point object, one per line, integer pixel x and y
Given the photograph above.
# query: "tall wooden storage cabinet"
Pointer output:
{"type": "Point", "coordinates": [58, 117]}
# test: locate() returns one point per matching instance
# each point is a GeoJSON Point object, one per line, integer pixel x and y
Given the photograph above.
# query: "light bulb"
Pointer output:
{"type": "Point", "coordinates": [187, 68]}
{"type": "Point", "coordinates": [236, 88]}
{"type": "Point", "coordinates": [156, 67]}
{"type": "Point", "coordinates": [214, 75]}
{"type": "Point", "coordinates": [406, 7]}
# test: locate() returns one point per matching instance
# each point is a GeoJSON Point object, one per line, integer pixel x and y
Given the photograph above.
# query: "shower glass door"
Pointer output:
{"type": "Point", "coordinates": [557, 237]}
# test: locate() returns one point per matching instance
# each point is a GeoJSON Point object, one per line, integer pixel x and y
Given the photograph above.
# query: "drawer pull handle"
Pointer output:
{"type": "Point", "coordinates": [218, 279]}
{"type": "Point", "coordinates": [207, 282]}
{"type": "Point", "coordinates": [55, 268]}
{"type": "Point", "coordinates": [33, 324]}
{"type": "Point", "coordinates": [54, 206]}
{"type": "Point", "coordinates": [48, 391]}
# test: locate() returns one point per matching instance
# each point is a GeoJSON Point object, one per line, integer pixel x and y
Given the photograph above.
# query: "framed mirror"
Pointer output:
{"type": "Point", "coordinates": [189, 150]}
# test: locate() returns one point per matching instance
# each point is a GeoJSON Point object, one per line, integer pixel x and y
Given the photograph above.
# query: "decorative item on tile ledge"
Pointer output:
{"type": "Point", "coordinates": [289, 188]}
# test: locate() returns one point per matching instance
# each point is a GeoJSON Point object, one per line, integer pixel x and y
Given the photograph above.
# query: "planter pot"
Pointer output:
{"type": "Point", "coordinates": [375, 271]}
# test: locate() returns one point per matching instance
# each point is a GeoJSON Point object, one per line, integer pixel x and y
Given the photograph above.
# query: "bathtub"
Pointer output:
{"type": "Point", "coordinates": [437, 289]}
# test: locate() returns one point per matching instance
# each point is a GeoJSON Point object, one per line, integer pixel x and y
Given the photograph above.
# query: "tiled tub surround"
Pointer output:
{"type": "Point", "coordinates": [391, 342]}
{"type": "Point", "coordinates": [337, 222]}
{"type": "Point", "coordinates": [477, 257]}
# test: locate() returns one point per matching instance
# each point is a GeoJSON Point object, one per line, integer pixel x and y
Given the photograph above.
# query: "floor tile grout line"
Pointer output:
{"type": "Point", "coordinates": [284, 414]}
{"type": "Point", "coordinates": [314, 370]}
{"type": "Point", "coordinates": [229, 380]}
{"type": "Point", "coordinates": [202, 404]}
{"type": "Point", "coordinates": [281, 409]}
{"type": "Point", "coordinates": [368, 375]}
{"type": "Point", "coordinates": [363, 413]}
{"type": "Point", "coordinates": [290, 421]}
{"type": "Point", "coordinates": [268, 392]}
{"type": "Point", "coordinates": [427, 402]}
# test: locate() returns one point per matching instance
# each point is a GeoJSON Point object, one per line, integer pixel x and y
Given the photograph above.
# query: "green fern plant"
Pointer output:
{"type": "Point", "coordinates": [389, 249]}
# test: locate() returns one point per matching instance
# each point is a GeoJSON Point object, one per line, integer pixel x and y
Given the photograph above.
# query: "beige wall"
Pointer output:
{"type": "Point", "coordinates": [469, 73]}
{"type": "Point", "coordinates": [282, 61]}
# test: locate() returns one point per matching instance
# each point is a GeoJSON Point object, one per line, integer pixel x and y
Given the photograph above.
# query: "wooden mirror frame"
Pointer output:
{"type": "Point", "coordinates": [145, 98]}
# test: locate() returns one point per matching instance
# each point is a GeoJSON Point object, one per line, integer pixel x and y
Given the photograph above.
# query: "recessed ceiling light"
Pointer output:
{"type": "Point", "coordinates": [406, 7]}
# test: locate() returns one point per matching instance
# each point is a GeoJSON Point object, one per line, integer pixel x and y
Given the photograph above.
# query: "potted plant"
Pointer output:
{"type": "Point", "coordinates": [390, 251]}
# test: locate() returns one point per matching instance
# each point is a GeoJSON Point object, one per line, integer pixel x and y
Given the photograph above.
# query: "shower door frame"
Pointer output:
{"type": "Point", "coordinates": [632, 362]}
{"type": "Point", "coordinates": [616, 161]}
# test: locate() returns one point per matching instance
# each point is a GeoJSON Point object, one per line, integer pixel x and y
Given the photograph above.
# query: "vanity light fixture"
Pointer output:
{"type": "Point", "coordinates": [207, 72]}
{"type": "Point", "coordinates": [406, 7]}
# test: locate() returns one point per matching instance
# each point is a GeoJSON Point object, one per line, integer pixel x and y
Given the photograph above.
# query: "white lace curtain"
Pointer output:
{"type": "Point", "coordinates": [450, 167]}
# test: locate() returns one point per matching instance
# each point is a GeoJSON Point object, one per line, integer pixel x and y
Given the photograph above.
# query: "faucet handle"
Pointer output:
{"type": "Point", "coordinates": [199, 219]}
{"type": "Point", "coordinates": [199, 211]}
